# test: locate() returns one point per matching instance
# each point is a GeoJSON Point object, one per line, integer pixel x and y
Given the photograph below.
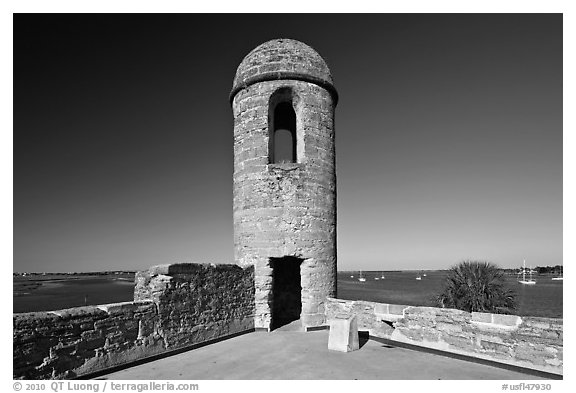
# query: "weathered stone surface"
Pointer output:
{"type": "Point", "coordinates": [172, 311]}
{"type": "Point", "coordinates": [482, 317]}
{"type": "Point", "coordinates": [381, 308]}
{"type": "Point", "coordinates": [201, 304]}
{"type": "Point", "coordinates": [495, 347]}
{"type": "Point", "coordinates": [507, 320]}
{"type": "Point", "coordinates": [285, 209]}
{"type": "Point", "coordinates": [397, 309]}
{"type": "Point", "coordinates": [343, 335]}
{"type": "Point", "coordinates": [124, 307]}
{"type": "Point", "coordinates": [281, 58]}
{"type": "Point", "coordinates": [78, 312]}
{"type": "Point", "coordinates": [526, 342]}
{"type": "Point", "coordinates": [368, 315]}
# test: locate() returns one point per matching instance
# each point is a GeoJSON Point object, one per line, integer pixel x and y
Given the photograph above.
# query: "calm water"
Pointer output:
{"type": "Point", "coordinates": [43, 293]}
{"type": "Point", "coordinates": [58, 292]}
{"type": "Point", "coordinates": [541, 300]}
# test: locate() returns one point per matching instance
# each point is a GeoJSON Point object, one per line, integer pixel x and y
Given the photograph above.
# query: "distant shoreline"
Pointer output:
{"type": "Point", "coordinates": [33, 293]}
{"type": "Point", "coordinates": [99, 273]}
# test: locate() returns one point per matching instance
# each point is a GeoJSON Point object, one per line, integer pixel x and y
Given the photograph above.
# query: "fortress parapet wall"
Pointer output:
{"type": "Point", "coordinates": [175, 306]}
{"type": "Point", "coordinates": [198, 302]}
{"type": "Point", "coordinates": [528, 342]}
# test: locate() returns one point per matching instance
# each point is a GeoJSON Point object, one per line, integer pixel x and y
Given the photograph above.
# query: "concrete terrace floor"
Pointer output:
{"type": "Point", "coordinates": [289, 355]}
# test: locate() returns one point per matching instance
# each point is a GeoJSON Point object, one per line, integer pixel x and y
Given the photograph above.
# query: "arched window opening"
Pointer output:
{"type": "Point", "coordinates": [283, 136]}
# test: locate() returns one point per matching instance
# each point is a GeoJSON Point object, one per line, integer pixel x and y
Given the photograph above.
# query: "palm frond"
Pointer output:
{"type": "Point", "coordinates": [477, 286]}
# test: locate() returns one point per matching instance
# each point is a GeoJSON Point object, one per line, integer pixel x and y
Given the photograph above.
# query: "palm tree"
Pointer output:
{"type": "Point", "coordinates": [477, 286]}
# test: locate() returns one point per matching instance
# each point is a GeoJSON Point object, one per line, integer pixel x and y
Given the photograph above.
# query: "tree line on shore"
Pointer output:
{"type": "Point", "coordinates": [557, 269]}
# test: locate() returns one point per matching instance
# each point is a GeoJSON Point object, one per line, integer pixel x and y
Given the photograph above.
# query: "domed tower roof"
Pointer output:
{"type": "Point", "coordinates": [283, 59]}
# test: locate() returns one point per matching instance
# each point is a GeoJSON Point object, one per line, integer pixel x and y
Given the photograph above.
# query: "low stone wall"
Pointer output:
{"type": "Point", "coordinates": [198, 302]}
{"type": "Point", "coordinates": [67, 343]}
{"type": "Point", "coordinates": [530, 342]}
{"type": "Point", "coordinates": [175, 306]}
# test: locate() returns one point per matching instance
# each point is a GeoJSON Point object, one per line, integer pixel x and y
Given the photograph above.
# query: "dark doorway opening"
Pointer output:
{"type": "Point", "coordinates": [286, 291]}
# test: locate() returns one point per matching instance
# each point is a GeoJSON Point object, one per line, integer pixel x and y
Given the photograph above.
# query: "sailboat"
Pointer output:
{"type": "Point", "coordinates": [361, 278]}
{"type": "Point", "coordinates": [419, 276]}
{"type": "Point", "coordinates": [524, 281]}
{"type": "Point", "coordinates": [560, 277]}
{"type": "Point", "coordinates": [382, 277]}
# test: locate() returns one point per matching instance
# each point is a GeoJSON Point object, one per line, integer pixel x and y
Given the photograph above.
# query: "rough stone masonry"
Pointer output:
{"type": "Point", "coordinates": [175, 306]}
{"type": "Point", "coordinates": [285, 211]}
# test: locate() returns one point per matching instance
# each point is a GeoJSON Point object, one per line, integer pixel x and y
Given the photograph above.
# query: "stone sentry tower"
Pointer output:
{"type": "Point", "coordinates": [283, 100]}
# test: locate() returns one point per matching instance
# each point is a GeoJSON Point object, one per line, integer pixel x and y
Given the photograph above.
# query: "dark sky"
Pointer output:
{"type": "Point", "coordinates": [448, 137]}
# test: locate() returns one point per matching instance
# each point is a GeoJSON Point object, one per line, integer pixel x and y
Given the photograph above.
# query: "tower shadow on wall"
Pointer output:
{"type": "Point", "coordinates": [286, 291]}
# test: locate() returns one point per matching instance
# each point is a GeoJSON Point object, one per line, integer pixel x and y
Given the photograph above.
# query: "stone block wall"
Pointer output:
{"type": "Point", "coordinates": [72, 342]}
{"type": "Point", "coordinates": [175, 306]}
{"type": "Point", "coordinates": [198, 302]}
{"type": "Point", "coordinates": [530, 342]}
{"type": "Point", "coordinates": [286, 209]}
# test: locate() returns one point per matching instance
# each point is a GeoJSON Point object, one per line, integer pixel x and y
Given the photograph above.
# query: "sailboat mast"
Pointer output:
{"type": "Point", "coordinates": [524, 270]}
